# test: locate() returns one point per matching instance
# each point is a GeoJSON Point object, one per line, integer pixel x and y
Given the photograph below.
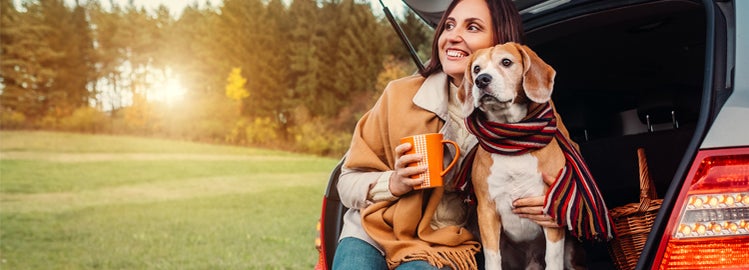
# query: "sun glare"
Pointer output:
{"type": "Point", "coordinates": [167, 89]}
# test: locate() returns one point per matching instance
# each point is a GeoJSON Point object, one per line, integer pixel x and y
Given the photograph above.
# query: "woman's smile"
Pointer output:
{"type": "Point", "coordinates": [456, 53]}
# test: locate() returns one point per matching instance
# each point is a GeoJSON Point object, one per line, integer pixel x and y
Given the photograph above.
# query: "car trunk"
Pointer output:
{"type": "Point", "coordinates": [628, 77]}
{"type": "Point", "coordinates": [630, 74]}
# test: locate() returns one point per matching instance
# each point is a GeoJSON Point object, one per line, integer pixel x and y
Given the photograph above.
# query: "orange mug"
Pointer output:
{"type": "Point", "coordinates": [430, 146]}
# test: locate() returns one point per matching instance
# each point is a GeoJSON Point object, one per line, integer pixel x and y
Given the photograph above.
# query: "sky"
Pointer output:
{"type": "Point", "coordinates": [176, 6]}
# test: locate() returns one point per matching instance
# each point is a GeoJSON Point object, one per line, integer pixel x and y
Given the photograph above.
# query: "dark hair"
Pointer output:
{"type": "Point", "coordinates": [507, 27]}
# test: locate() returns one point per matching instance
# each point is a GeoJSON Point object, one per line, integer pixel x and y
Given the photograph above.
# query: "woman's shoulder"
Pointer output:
{"type": "Point", "coordinates": [406, 85]}
{"type": "Point", "coordinates": [413, 78]}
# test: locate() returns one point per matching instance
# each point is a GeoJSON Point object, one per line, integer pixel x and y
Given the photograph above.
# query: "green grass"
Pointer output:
{"type": "Point", "coordinates": [73, 201]}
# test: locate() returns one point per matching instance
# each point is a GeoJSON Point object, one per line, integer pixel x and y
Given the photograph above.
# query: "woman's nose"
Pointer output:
{"type": "Point", "coordinates": [455, 35]}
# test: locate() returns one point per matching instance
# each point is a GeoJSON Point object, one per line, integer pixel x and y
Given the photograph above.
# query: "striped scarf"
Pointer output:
{"type": "Point", "coordinates": [573, 200]}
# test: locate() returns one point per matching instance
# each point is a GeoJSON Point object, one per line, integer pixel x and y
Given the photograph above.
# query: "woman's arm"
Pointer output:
{"type": "Point", "coordinates": [358, 189]}
{"type": "Point", "coordinates": [354, 186]}
{"type": "Point", "coordinates": [533, 207]}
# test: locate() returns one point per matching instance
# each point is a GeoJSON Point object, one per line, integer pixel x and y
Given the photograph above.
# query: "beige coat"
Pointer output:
{"type": "Point", "coordinates": [409, 106]}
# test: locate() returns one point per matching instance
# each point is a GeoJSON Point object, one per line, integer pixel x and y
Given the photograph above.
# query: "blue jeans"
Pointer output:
{"type": "Point", "coordinates": [353, 253]}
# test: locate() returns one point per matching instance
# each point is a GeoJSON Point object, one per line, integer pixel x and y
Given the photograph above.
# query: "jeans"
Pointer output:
{"type": "Point", "coordinates": [355, 254]}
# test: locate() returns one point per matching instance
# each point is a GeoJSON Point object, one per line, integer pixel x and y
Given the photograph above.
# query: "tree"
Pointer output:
{"type": "Point", "coordinates": [196, 52]}
{"type": "Point", "coordinates": [67, 90]}
{"type": "Point", "coordinates": [351, 56]}
{"type": "Point", "coordinates": [109, 54]}
{"type": "Point", "coordinates": [164, 24]}
{"type": "Point", "coordinates": [27, 71]}
{"type": "Point", "coordinates": [305, 42]}
{"type": "Point", "coordinates": [235, 85]}
{"type": "Point", "coordinates": [244, 40]}
{"type": "Point", "coordinates": [309, 59]}
{"type": "Point", "coordinates": [418, 33]}
{"type": "Point", "coordinates": [272, 68]}
{"type": "Point", "coordinates": [75, 69]}
{"type": "Point", "coordinates": [141, 33]}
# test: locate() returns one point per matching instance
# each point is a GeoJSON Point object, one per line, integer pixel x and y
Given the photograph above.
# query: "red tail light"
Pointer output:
{"type": "Point", "coordinates": [322, 263]}
{"type": "Point", "coordinates": [709, 227]}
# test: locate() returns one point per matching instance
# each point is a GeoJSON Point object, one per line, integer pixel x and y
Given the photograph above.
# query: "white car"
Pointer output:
{"type": "Point", "coordinates": [668, 76]}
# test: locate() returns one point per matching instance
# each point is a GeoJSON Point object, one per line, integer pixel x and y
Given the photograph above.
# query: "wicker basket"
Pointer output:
{"type": "Point", "coordinates": [634, 221]}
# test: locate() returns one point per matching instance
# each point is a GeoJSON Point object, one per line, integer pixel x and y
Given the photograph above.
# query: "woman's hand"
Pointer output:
{"type": "Point", "coordinates": [533, 208]}
{"type": "Point", "coordinates": [401, 181]}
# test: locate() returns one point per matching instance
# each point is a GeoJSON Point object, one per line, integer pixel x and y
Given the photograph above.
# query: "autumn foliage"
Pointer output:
{"type": "Point", "coordinates": [294, 75]}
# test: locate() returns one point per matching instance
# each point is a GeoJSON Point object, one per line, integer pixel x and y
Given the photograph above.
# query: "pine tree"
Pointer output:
{"type": "Point", "coordinates": [357, 55]}
{"type": "Point", "coordinates": [27, 71]}
{"type": "Point", "coordinates": [418, 33]}
{"type": "Point", "coordinates": [271, 66]}
{"type": "Point", "coordinates": [140, 32]}
{"type": "Point", "coordinates": [78, 63]}
{"type": "Point", "coordinates": [306, 41]}
{"type": "Point", "coordinates": [241, 40]}
{"type": "Point", "coordinates": [68, 89]}
{"type": "Point", "coordinates": [164, 24]}
{"type": "Point", "coordinates": [109, 54]}
{"type": "Point", "coordinates": [319, 99]}
{"type": "Point", "coordinates": [196, 52]}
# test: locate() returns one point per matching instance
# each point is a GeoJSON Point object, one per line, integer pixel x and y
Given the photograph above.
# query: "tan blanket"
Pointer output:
{"type": "Point", "coordinates": [402, 227]}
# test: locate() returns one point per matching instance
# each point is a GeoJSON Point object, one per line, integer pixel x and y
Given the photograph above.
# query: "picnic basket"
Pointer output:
{"type": "Point", "coordinates": [633, 221]}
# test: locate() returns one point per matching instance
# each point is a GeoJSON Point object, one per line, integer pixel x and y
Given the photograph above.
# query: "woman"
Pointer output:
{"type": "Point", "coordinates": [420, 229]}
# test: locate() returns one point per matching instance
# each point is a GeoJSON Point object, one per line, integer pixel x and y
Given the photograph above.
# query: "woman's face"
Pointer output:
{"type": "Point", "coordinates": [468, 28]}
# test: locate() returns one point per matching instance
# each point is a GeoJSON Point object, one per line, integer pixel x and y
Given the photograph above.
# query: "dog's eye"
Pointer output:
{"type": "Point", "coordinates": [476, 69]}
{"type": "Point", "coordinates": [506, 62]}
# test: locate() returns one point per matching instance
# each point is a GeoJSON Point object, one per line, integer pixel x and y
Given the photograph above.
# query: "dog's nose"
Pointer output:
{"type": "Point", "coordinates": [483, 80]}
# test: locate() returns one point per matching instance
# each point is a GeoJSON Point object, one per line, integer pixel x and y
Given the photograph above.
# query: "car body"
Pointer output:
{"type": "Point", "coordinates": [668, 76]}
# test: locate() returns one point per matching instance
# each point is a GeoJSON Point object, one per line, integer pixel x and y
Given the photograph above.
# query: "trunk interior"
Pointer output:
{"type": "Point", "coordinates": [628, 77]}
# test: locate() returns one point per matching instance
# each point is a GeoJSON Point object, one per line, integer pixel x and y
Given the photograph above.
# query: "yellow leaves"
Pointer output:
{"type": "Point", "coordinates": [235, 85]}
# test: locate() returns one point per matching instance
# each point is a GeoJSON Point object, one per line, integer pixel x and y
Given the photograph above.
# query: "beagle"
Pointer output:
{"type": "Point", "coordinates": [503, 84]}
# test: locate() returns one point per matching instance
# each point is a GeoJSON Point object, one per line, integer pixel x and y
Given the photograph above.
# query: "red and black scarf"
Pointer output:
{"type": "Point", "coordinates": [573, 200]}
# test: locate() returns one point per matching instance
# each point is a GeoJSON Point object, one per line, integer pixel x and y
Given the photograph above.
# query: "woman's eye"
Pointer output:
{"type": "Point", "coordinates": [476, 69]}
{"type": "Point", "coordinates": [506, 62]}
{"type": "Point", "coordinates": [473, 28]}
{"type": "Point", "coordinates": [449, 26]}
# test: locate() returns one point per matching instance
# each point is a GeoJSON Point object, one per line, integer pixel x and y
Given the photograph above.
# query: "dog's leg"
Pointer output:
{"type": "Point", "coordinates": [554, 248]}
{"type": "Point", "coordinates": [490, 225]}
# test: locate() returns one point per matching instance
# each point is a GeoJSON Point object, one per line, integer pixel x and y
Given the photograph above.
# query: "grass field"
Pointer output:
{"type": "Point", "coordinates": [73, 201]}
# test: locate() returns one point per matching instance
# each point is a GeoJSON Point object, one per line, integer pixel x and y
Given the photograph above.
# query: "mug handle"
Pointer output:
{"type": "Point", "coordinates": [455, 159]}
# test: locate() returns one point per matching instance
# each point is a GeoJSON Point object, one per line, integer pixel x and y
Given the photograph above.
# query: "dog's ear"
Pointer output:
{"type": "Point", "coordinates": [465, 91]}
{"type": "Point", "coordinates": [466, 84]}
{"type": "Point", "coordinates": [538, 77]}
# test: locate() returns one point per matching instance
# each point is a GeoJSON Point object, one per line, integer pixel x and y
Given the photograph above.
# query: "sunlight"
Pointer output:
{"type": "Point", "coordinates": [166, 89]}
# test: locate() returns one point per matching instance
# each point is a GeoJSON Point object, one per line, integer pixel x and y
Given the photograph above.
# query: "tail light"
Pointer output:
{"type": "Point", "coordinates": [709, 227]}
{"type": "Point", "coordinates": [322, 263]}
